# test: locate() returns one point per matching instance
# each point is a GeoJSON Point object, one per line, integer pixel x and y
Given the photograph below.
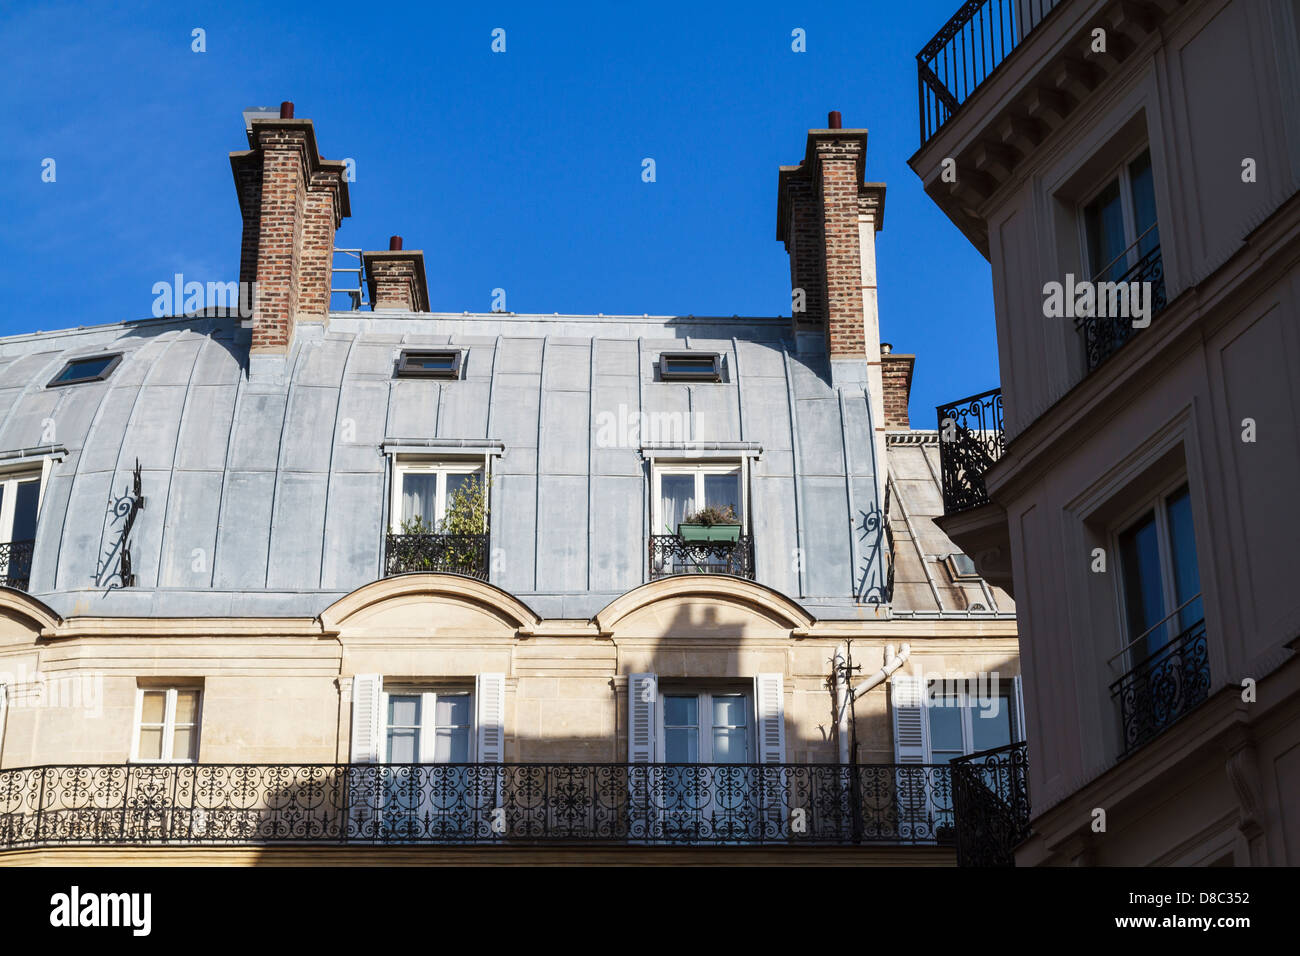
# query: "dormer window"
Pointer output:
{"type": "Point", "coordinates": [690, 367]}
{"type": "Point", "coordinates": [430, 363]}
{"type": "Point", "coordinates": [91, 369]}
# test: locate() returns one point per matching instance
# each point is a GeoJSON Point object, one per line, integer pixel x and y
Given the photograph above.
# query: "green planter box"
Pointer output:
{"type": "Point", "coordinates": [702, 532]}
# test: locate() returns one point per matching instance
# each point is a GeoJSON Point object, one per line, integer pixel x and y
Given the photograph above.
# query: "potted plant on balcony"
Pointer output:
{"type": "Point", "coordinates": [710, 524]}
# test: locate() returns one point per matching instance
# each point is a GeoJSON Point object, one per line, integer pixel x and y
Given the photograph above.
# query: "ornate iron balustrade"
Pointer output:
{"type": "Point", "coordinates": [1163, 687]}
{"type": "Point", "coordinates": [1103, 336]}
{"type": "Point", "coordinates": [671, 554]}
{"type": "Point", "coordinates": [966, 51]}
{"type": "Point", "coordinates": [971, 439]}
{"type": "Point", "coordinates": [455, 553]}
{"type": "Point", "coordinates": [16, 564]}
{"type": "Point", "coordinates": [991, 797]}
{"type": "Point", "coordinates": [637, 804]}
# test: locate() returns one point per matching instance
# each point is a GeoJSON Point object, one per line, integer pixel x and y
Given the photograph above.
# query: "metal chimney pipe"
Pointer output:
{"type": "Point", "coordinates": [286, 110]}
{"type": "Point", "coordinates": [833, 120]}
{"type": "Point", "coordinates": [394, 243]}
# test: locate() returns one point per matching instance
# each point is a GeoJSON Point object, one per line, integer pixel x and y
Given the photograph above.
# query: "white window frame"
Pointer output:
{"type": "Point", "coordinates": [9, 481]}
{"type": "Point", "coordinates": [169, 724]}
{"type": "Point", "coordinates": [442, 468]}
{"type": "Point", "coordinates": [970, 713]}
{"type": "Point", "coordinates": [1128, 213]}
{"type": "Point", "coordinates": [705, 712]}
{"type": "Point", "coordinates": [1158, 503]}
{"type": "Point", "coordinates": [662, 467]}
{"type": "Point", "coordinates": [428, 708]}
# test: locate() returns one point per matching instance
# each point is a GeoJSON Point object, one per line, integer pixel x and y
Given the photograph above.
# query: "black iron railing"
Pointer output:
{"type": "Point", "coordinates": [452, 553]}
{"type": "Point", "coordinates": [1104, 335]}
{"type": "Point", "coordinates": [1164, 687]}
{"type": "Point", "coordinates": [16, 564]}
{"type": "Point", "coordinates": [779, 804]}
{"type": "Point", "coordinates": [971, 439]}
{"type": "Point", "coordinates": [671, 554]}
{"type": "Point", "coordinates": [966, 51]}
{"type": "Point", "coordinates": [991, 797]}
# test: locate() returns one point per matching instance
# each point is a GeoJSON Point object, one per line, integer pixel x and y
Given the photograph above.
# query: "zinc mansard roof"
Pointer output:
{"type": "Point", "coordinates": [268, 496]}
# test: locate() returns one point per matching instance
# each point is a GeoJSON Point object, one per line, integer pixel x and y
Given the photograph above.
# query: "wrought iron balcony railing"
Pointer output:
{"type": "Point", "coordinates": [634, 804]}
{"type": "Point", "coordinates": [16, 564]}
{"type": "Point", "coordinates": [971, 439]}
{"type": "Point", "coordinates": [1103, 336]}
{"type": "Point", "coordinates": [1164, 687]}
{"type": "Point", "coordinates": [991, 796]}
{"type": "Point", "coordinates": [966, 51]}
{"type": "Point", "coordinates": [671, 554]}
{"type": "Point", "coordinates": [454, 553]}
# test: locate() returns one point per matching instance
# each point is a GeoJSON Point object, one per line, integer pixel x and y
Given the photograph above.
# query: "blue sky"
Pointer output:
{"type": "Point", "coordinates": [519, 170]}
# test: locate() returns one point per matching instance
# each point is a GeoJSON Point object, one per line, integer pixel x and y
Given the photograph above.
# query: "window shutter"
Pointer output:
{"type": "Point", "coordinates": [642, 698]}
{"type": "Point", "coordinates": [490, 702]}
{"type": "Point", "coordinates": [911, 734]}
{"type": "Point", "coordinates": [769, 697]}
{"type": "Point", "coordinates": [367, 717]}
{"type": "Point", "coordinates": [4, 711]}
{"type": "Point", "coordinates": [1018, 688]}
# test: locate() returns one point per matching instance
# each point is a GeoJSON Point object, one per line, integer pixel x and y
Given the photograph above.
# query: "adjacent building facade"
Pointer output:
{"type": "Point", "coordinates": [315, 582]}
{"type": "Point", "coordinates": [1130, 170]}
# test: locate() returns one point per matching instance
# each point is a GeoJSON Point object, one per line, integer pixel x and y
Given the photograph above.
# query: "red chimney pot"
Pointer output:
{"type": "Point", "coordinates": [286, 110]}
{"type": "Point", "coordinates": [394, 243]}
{"type": "Point", "coordinates": [833, 121]}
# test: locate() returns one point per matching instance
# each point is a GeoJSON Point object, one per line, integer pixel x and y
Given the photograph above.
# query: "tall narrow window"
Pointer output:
{"type": "Point", "coordinates": [20, 497]}
{"type": "Point", "coordinates": [1120, 222]}
{"type": "Point", "coordinates": [1159, 577]}
{"type": "Point", "coordinates": [683, 490]}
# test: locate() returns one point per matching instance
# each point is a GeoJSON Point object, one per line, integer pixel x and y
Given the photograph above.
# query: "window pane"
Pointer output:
{"type": "Point", "coordinates": [722, 491]}
{"type": "Point", "coordinates": [455, 483]}
{"type": "Point", "coordinates": [151, 741]}
{"type": "Point", "coordinates": [153, 708]}
{"type": "Point", "coordinates": [731, 746]}
{"type": "Point", "coordinates": [187, 706]}
{"type": "Point", "coordinates": [729, 712]}
{"type": "Point", "coordinates": [681, 745]}
{"type": "Point", "coordinates": [404, 710]}
{"type": "Point", "coordinates": [1182, 543]}
{"type": "Point", "coordinates": [1144, 202]}
{"type": "Point", "coordinates": [419, 497]}
{"type": "Point", "coordinates": [1104, 223]}
{"type": "Point", "coordinates": [403, 746]}
{"type": "Point", "coordinates": [945, 725]}
{"type": "Point", "coordinates": [678, 501]}
{"type": "Point", "coordinates": [1144, 601]}
{"type": "Point", "coordinates": [25, 510]}
{"type": "Point", "coordinates": [990, 729]}
{"type": "Point", "coordinates": [84, 368]}
{"type": "Point", "coordinates": [681, 711]}
{"type": "Point", "coordinates": [452, 710]}
{"type": "Point", "coordinates": [183, 743]}
{"type": "Point", "coordinates": [451, 745]}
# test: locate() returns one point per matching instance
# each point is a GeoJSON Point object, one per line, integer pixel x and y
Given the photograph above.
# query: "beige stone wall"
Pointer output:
{"type": "Point", "coordinates": [280, 691]}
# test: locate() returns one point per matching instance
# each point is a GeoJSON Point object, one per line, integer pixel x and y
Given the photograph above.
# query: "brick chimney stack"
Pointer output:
{"type": "Point", "coordinates": [896, 376]}
{"type": "Point", "coordinates": [828, 219]}
{"type": "Point", "coordinates": [396, 278]}
{"type": "Point", "coordinates": [292, 202]}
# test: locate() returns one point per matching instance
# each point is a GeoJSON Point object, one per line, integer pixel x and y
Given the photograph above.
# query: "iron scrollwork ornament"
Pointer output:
{"type": "Point", "coordinates": [115, 566]}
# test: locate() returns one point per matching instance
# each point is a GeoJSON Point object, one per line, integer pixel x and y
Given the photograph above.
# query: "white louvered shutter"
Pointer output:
{"type": "Point", "coordinates": [1018, 686]}
{"type": "Point", "coordinates": [367, 717]}
{"type": "Point", "coordinates": [911, 734]}
{"type": "Point", "coordinates": [490, 701]}
{"type": "Point", "coordinates": [769, 698]}
{"type": "Point", "coordinates": [642, 698]}
{"type": "Point", "coordinates": [916, 819]}
{"type": "Point", "coordinates": [4, 712]}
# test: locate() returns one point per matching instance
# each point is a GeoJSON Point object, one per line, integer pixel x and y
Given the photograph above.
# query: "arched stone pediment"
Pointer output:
{"type": "Point", "coordinates": [429, 604]}
{"type": "Point", "coordinates": [704, 604]}
{"type": "Point", "coordinates": [23, 618]}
